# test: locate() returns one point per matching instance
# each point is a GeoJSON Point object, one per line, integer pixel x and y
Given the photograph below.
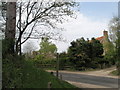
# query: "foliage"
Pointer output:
{"type": "Point", "coordinates": [97, 48]}
{"type": "Point", "coordinates": [114, 27]}
{"type": "Point", "coordinates": [7, 47]}
{"type": "Point", "coordinates": [116, 73]}
{"type": "Point", "coordinates": [63, 60]}
{"type": "Point", "coordinates": [47, 47]}
{"type": "Point", "coordinates": [37, 78]}
{"type": "Point", "coordinates": [21, 73]}
{"type": "Point", "coordinates": [42, 15]}
{"type": "Point", "coordinates": [47, 53]}
{"type": "Point", "coordinates": [12, 67]}
{"type": "Point", "coordinates": [82, 53]}
{"type": "Point", "coordinates": [109, 51]}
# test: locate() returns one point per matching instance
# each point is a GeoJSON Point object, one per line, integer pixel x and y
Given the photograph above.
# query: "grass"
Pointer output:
{"type": "Point", "coordinates": [115, 73]}
{"type": "Point", "coordinates": [74, 70]}
{"type": "Point", "coordinates": [38, 78]}
{"type": "Point", "coordinates": [20, 73]}
{"type": "Point", "coordinates": [49, 68]}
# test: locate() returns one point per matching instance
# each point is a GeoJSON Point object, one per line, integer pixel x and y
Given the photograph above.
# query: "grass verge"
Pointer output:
{"type": "Point", "coordinates": [38, 78]}
{"type": "Point", "coordinates": [21, 73]}
{"type": "Point", "coordinates": [115, 73]}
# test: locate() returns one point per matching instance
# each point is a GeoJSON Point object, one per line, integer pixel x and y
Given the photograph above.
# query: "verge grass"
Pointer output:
{"type": "Point", "coordinates": [115, 73]}
{"type": "Point", "coordinates": [23, 74]}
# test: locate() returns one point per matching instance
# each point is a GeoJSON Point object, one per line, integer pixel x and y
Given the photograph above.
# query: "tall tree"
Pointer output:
{"type": "Point", "coordinates": [47, 47]}
{"type": "Point", "coordinates": [97, 48]}
{"type": "Point", "coordinates": [43, 14]}
{"type": "Point", "coordinates": [47, 51]}
{"type": "Point", "coordinates": [11, 25]}
{"type": "Point", "coordinates": [114, 27]}
{"type": "Point", "coordinates": [82, 52]}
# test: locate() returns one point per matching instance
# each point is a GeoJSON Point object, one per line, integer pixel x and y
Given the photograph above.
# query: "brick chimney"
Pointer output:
{"type": "Point", "coordinates": [105, 34]}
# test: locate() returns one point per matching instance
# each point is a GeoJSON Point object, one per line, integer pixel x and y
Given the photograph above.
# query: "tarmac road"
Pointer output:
{"type": "Point", "coordinates": [90, 79]}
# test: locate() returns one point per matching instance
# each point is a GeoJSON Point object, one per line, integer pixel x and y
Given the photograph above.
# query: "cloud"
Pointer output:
{"type": "Point", "coordinates": [82, 26]}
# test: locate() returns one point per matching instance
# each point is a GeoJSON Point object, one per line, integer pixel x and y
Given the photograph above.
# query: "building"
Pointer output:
{"type": "Point", "coordinates": [103, 38]}
{"type": "Point", "coordinates": [105, 41]}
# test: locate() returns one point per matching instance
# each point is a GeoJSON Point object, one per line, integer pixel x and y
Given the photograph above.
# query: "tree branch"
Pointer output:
{"type": "Point", "coordinates": [30, 33]}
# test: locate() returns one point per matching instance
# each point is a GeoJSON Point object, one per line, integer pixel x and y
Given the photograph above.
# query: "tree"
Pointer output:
{"type": "Point", "coordinates": [82, 53]}
{"type": "Point", "coordinates": [77, 52]}
{"type": "Point", "coordinates": [114, 27]}
{"type": "Point", "coordinates": [42, 14]}
{"type": "Point", "coordinates": [97, 48]}
{"type": "Point", "coordinates": [47, 51]}
{"type": "Point", "coordinates": [10, 30]}
{"type": "Point", "coordinates": [46, 46]}
{"type": "Point", "coordinates": [63, 60]}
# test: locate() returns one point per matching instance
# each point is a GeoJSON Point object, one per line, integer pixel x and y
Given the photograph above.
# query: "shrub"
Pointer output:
{"type": "Point", "coordinates": [12, 71]}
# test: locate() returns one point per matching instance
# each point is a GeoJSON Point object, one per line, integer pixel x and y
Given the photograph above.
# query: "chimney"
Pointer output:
{"type": "Point", "coordinates": [105, 34]}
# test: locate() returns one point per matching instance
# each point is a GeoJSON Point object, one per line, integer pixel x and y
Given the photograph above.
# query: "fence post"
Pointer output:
{"type": "Point", "coordinates": [57, 66]}
{"type": "Point", "coordinates": [60, 76]}
{"type": "Point", "coordinates": [49, 85]}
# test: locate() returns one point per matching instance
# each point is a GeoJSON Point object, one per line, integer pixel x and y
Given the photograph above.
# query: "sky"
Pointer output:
{"type": "Point", "coordinates": [92, 19]}
{"type": "Point", "coordinates": [97, 10]}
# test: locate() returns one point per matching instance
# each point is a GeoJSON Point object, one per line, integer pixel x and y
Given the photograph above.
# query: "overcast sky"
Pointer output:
{"type": "Point", "coordinates": [92, 19]}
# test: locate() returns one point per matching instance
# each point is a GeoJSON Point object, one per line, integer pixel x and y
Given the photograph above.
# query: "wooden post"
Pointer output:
{"type": "Point", "coordinates": [49, 85]}
{"type": "Point", "coordinates": [57, 71]}
{"type": "Point", "coordinates": [61, 77]}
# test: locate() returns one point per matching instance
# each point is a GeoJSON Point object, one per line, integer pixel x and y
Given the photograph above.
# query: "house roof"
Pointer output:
{"type": "Point", "coordinates": [100, 38]}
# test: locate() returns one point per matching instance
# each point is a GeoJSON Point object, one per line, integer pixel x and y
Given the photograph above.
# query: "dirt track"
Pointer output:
{"type": "Point", "coordinates": [103, 72]}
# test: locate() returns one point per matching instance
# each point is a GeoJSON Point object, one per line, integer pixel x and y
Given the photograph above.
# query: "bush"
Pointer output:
{"type": "Point", "coordinates": [7, 47]}
{"type": "Point", "coordinates": [21, 73]}
{"type": "Point", "coordinates": [48, 63]}
{"type": "Point", "coordinates": [12, 71]}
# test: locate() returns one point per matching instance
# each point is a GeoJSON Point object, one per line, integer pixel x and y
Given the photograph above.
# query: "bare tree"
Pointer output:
{"type": "Point", "coordinates": [40, 14]}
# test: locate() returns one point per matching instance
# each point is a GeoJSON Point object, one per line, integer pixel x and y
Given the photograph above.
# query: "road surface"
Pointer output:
{"type": "Point", "coordinates": [90, 79]}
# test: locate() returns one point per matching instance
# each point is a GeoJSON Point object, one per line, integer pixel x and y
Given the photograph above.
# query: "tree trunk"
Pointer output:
{"type": "Point", "coordinates": [11, 25]}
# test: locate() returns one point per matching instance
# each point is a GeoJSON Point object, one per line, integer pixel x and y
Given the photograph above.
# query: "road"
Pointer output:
{"type": "Point", "coordinates": [90, 79]}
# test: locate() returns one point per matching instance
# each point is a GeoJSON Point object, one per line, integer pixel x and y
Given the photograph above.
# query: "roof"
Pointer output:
{"type": "Point", "coordinates": [100, 38]}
